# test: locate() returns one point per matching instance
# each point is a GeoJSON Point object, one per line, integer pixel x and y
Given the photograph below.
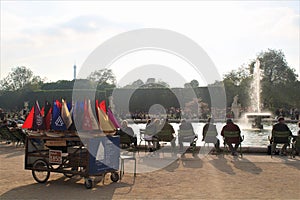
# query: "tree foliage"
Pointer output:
{"type": "Point", "coordinates": [21, 78]}
{"type": "Point", "coordinates": [193, 84]}
{"type": "Point", "coordinates": [237, 82]}
{"type": "Point", "coordinates": [150, 83]}
{"type": "Point", "coordinates": [278, 82]}
{"type": "Point", "coordinates": [104, 78]}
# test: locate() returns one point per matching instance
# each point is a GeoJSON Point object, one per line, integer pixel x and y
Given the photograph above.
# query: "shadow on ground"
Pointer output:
{"type": "Point", "coordinates": [54, 189]}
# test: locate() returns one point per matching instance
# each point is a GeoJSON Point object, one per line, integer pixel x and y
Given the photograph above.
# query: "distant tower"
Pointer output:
{"type": "Point", "coordinates": [74, 71]}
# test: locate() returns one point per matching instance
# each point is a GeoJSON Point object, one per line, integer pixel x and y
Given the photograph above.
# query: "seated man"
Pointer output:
{"type": "Point", "coordinates": [186, 126]}
{"type": "Point", "coordinates": [280, 127]}
{"type": "Point", "coordinates": [231, 127]}
{"type": "Point", "coordinates": [168, 128]}
{"type": "Point", "coordinates": [210, 128]}
{"type": "Point", "coordinates": [126, 130]}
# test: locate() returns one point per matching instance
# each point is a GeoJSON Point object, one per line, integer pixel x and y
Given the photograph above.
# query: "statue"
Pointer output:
{"type": "Point", "coordinates": [235, 107]}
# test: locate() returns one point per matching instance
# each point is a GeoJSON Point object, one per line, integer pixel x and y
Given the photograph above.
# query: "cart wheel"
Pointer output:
{"type": "Point", "coordinates": [114, 176]}
{"type": "Point", "coordinates": [41, 171]}
{"type": "Point", "coordinates": [88, 183]}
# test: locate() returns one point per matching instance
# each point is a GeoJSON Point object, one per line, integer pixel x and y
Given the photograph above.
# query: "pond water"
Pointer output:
{"type": "Point", "coordinates": [252, 138]}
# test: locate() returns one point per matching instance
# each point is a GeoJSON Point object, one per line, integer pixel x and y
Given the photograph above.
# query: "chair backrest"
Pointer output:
{"type": "Point", "coordinates": [232, 137]}
{"type": "Point", "coordinates": [125, 139]}
{"type": "Point", "coordinates": [210, 136]}
{"type": "Point", "coordinates": [142, 131]}
{"type": "Point", "coordinates": [6, 134]}
{"type": "Point", "coordinates": [231, 134]}
{"type": "Point", "coordinates": [165, 135]}
{"type": "Point", "coordinates": [211, 133]}
{"type": "Point", "coordinates": [185, 133]}
{"type": "Point", "coordinates": [297, 143]}
{"type": "Point", "coordinates": [281, 137]}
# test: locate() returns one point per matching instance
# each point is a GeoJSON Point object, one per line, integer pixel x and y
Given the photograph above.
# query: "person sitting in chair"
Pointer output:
{"type": "Point", "coordinates": [125, 129]}
{"type": "Point", "coordinates": [166, 126]}
{"type": "Point", "coordinates": [152, 128]}
{"type": "Point", "coordinates": [211, 128]}
{"type": "Point", "coordinates": [185, 126]}
{"type": "Point", "coordinates": [280, 127]}
{"type": "Point", "coordinates": [231, 127]}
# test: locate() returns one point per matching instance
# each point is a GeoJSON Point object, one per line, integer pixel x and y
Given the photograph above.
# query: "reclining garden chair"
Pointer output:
{"type": "Point", "coordinates": [233, 137]}
{"type": "Point", "coordinates": [148, 137]}
{"type": "Point", "coordinates": [125, 140]}
{"type": "Point", "coordinates": [279, 137]}
{"type": "Point", "coordinates": [296, 146]}
{"type": "Point", "coordinates": [211, 138]}
{"type": "Point", "coordinates": [7, 135]}
{"type": "Point", "coordinates": [188, 136]}
{"type": "Point", "coordinates": [166, 136]}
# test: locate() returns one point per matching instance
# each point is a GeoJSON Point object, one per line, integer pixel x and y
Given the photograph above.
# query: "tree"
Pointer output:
{"type": "Point", "coordinates": [150, 83]}
{"type": "Point", "coordinates": [58, 85]}
{"type": "Point", "coordinates": [19, 78]}
{"type": "Point", "coordinates": [193, 84]}
{"type": "Point", "coordinates": [277, 81]}
{"type": "Point", "coordinates": [275, 68]}
{"type": "Point", "coordinates": [135, 84]}
{"type": "Point", "coordinates": [104, 78]}
{"type": "Point", "coordinates": [237, 82]}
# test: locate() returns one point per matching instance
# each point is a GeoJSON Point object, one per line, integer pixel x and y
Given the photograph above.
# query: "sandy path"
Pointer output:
{"type": "Point", "coordinates": [199, 177]}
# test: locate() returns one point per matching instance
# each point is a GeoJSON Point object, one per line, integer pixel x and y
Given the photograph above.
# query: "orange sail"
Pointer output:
{"type": "Point", "coordinates": [105, 123]}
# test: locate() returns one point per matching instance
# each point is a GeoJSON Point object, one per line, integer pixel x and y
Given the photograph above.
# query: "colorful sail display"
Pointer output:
{"type": "Point", "coordinates": [61, 116]}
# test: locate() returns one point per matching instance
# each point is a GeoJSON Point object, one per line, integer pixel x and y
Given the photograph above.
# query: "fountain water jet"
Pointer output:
{"type": "Point", "coordinates": [257, 115]}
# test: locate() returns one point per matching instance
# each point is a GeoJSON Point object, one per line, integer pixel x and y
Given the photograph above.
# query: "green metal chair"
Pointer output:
{"type": "Point", "coordinates": [296, 146]}
{"type": "Point", "coordinates": [210, 138]}
{"type": "Point", "coordinates": [147, 137]}
{"type": "Point", "coordinates": [7, 135]}
{"type": "Point", "coordinates": [188, 136]}
{"type": "Point", "coordinates": [279, 137]}
{"type": "Point", "coordinates": [125, 140]}
{"type": "Point", "coordinates": [233, 137]}
{"type": "Point", "coordinates": [166, 136]}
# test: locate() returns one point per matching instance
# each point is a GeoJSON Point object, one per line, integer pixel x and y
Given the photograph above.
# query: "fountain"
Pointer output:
{"type": "Point", "coordinates": [257, 115]}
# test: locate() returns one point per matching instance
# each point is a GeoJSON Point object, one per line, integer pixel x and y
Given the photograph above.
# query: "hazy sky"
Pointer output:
{"type": "Point", "coordinates": [49, 37]}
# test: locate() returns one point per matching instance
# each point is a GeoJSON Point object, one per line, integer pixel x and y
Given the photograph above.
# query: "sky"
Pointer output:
{"type": "Point", "coordinates": [49, 37]}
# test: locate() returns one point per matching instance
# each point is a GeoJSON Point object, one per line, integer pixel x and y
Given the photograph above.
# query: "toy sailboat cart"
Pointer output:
{"type": "Point", "coordinates": [73, 140]}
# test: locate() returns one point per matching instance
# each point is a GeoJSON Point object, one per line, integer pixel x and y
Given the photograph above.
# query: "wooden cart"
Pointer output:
{"type": "Point", "coordinates": [72, 155]}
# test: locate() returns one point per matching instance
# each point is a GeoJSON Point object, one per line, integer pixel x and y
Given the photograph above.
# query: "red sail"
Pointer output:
{"type": "Point", "coordinates": [102, 106]}
{"type": "Point", "coordinates": [29, 120]}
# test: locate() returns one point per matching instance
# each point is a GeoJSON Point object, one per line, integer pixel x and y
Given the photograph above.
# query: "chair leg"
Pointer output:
{"type": "Point", "coordinates": [134, 167]}
{"type": "Point", "coordinates": [122, 168]}
{"type": "Point", "coordinates": [272, 150]}
{"type": "Point", "coordinates": [241, 151]}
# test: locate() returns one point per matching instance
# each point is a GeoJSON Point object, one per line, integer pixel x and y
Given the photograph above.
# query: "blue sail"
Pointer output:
{"type": "Point", "coordinates": [57, 122]}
